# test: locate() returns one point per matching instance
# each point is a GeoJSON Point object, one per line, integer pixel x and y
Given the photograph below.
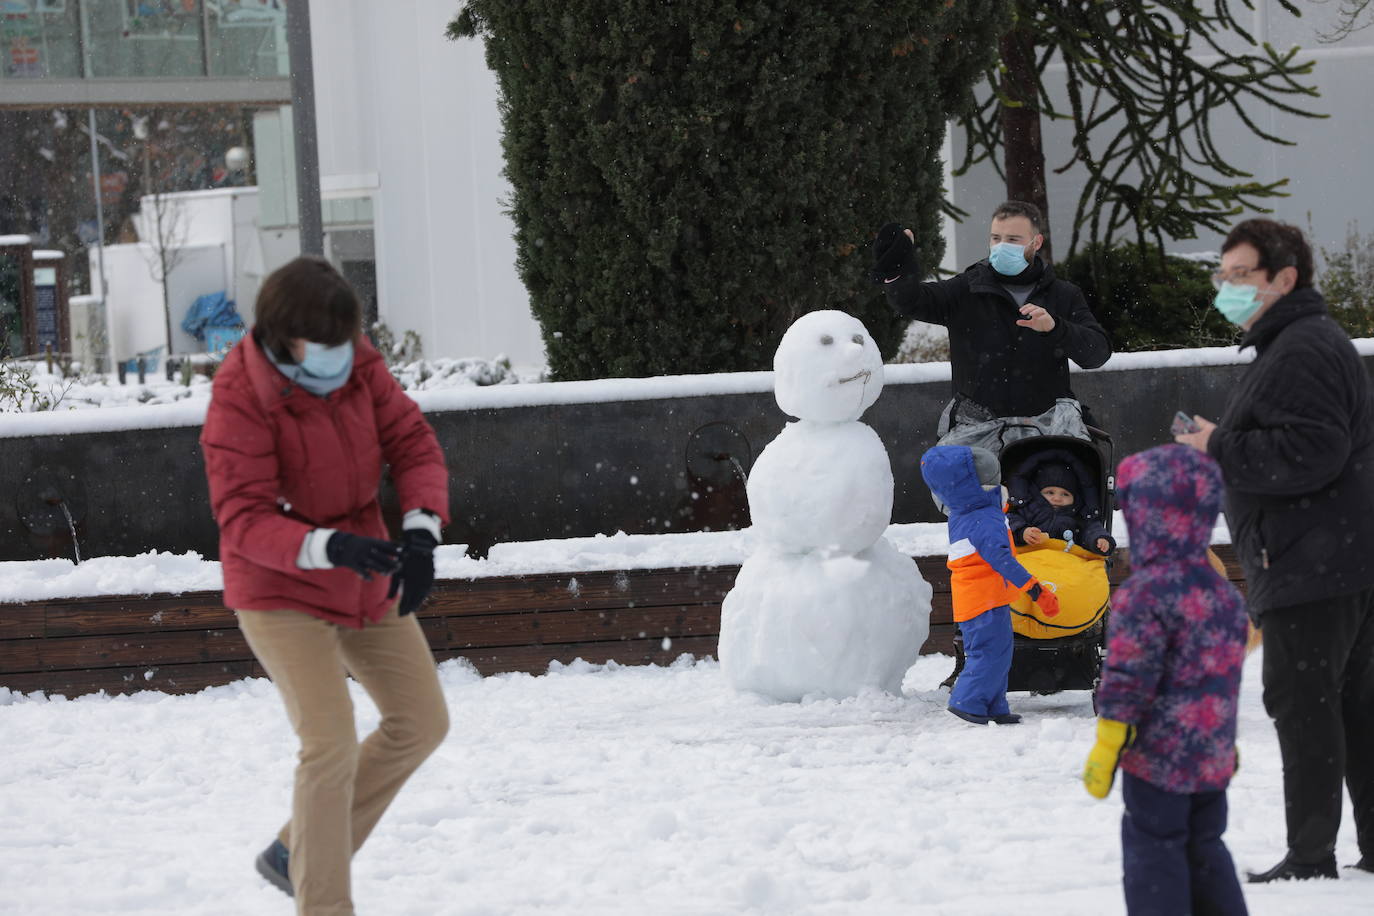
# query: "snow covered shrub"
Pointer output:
{"type": "Point", "coordinates": [1347, 283]}
{"type": "Point", "coordinates": [1146, 301]}
{"type": "Point", "coordinates": [20, 392]}
{"type": "Point", "coordinates": [688, 178]}
{"type": "Point", "coordinates": [397, 352]}
{"type": "Point", "coordinates": [454, 373]}
{"type": "Point", "coordinates": [923, 343]}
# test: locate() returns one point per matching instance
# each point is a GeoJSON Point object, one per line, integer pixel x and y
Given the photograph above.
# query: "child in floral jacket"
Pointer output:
{"type": "Point", "coordinates": [1169, 691]}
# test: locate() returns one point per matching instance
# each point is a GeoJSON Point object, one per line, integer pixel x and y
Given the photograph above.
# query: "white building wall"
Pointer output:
{"type": "Point", "coordinates": [408, 117]}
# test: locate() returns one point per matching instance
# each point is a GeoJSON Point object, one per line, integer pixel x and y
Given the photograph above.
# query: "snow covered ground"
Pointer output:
{"type": "Point", "coordinates": [610, 790]}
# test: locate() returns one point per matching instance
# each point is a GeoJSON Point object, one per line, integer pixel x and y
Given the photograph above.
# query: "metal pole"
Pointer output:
{"type": "Point", "coordinates": [303, 120]}
{"type": "Point", "coordinates": [99, 224]}
{"type": "Point", "coordinates": [85, 38]}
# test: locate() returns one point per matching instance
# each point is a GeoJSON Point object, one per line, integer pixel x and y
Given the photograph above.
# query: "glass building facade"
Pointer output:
{"type": "Point", "coordinates": [142, 39]}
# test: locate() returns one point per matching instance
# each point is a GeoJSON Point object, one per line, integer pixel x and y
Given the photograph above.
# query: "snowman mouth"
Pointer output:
{"type": "Point", "coordinates": [861, 374]}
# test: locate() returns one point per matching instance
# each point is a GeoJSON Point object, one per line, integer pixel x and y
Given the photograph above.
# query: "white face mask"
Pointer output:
{"type": "Point", "coordinates": [326, 362]}
{"type": "Point", "coordinates": [1008, 258]}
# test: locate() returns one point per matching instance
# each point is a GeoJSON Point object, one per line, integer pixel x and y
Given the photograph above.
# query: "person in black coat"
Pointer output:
{"type": "Point", "coordinates": [1296, 448]}
{"type": "Point", "coordinates": [1013, 326]}
{"type": "Point", "coordinates": [1051, 495]}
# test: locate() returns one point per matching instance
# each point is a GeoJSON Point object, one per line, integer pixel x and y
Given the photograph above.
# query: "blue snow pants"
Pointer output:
{"type": "Point", "coordinates": [982, 686]}
{"type": "Point", "coordinates": [1173, 857]}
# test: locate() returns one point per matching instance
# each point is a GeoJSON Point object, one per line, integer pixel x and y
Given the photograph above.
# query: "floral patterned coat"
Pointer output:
{"type": "Point", "coordinates": [1177, 628]}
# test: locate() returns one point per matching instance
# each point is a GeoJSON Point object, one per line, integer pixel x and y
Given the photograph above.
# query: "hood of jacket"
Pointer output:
{"type": "Point", "coordinates": [1170, 496]}
{"type": "Point", "coordinates": [951, 475]}
{"type": "Point", "coordinates": [1021, 486]}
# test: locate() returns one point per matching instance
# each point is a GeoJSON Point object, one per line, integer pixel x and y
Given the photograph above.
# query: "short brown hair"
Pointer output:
{"type": "Point", "coordinates": [305, 299]}
{"type": "Point", "coordinates": [1279, 245]}
{"type": "Point", "coordinates": [1019, 208]}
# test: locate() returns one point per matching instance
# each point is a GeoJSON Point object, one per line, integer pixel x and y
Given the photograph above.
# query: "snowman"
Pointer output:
{"type": "Point", "coordinates": [823, 605]}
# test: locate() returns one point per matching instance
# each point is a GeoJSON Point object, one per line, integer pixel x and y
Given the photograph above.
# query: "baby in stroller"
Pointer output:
{"type": "Point", "coordinates": [1052, 495]}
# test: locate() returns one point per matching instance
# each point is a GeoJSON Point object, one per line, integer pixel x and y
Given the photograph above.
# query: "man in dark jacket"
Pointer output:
{"type": "Point", "coordinates": [1296, 447]}
{"type": "Point", "coordinates": [1012, 326]}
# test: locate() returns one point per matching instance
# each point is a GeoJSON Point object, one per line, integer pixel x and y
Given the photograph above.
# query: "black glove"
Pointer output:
{"type": "Point", "coordinates": [416, 576]}
{"type": "Point", "coordinates": [894, 255]}
{"type": "Point", "coordinates": [363, 555]}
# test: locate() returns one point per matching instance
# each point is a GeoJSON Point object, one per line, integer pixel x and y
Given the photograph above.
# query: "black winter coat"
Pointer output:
{"type": "Point", "coordinates": [1296, 448]}
{"type": "Point", "coordinates": [1028, 509]}
{"type": "Point", "coordinates": [1013, 371]}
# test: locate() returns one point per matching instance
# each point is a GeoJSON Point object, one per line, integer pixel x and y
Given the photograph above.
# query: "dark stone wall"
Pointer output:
{"type": "Point", "coordinates": [528, 473]}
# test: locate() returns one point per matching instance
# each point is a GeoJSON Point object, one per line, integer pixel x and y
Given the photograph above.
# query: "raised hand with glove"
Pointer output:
{"type": "Point", "coordinates": [1100, 770]}
{"type": "Point", "coordinates": [894, 254]}
{"type": "Point", "coordinates": [415, 577]}
{"type": "Point", "coordinates": [1048, 600]}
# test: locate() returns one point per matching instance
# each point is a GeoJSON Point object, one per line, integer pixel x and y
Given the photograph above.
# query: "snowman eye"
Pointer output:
{"type": "Point", "coordinates": [827, 340]}
{"type": "Point", "coordinates": [858, 339]}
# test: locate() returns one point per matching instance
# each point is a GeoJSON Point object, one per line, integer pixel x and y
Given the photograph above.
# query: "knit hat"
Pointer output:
{"type": "Point", "coordinates": [1055, 474]}
{"type": "Point", "coordinates": [985, 464]}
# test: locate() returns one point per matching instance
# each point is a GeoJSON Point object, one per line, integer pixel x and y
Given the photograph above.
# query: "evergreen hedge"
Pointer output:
{"type": "Point", "coordinates": [689, 177]}
{"type": "Point", "coordinates": [1148, 302]}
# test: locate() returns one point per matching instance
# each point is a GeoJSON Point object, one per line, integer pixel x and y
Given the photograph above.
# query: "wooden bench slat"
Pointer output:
{"type": "Point", "coordinates": [168, 678]}
{"type": "Point", "coordinates": [583, 591]}
{"type": "Point", "coordinates": [21, 622]}
{"type": "Point", "coordinates": [198, 611]}
{"type": "Point", "coordinates": [71, 653]}
{"type": "Point", "coordinates": [535, 659]}
{"type": "Point", "coordinates": [553, 627]}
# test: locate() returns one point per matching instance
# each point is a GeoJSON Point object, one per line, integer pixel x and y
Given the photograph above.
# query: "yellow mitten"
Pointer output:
{"type": "Point", "coordinates": [1100, 771]}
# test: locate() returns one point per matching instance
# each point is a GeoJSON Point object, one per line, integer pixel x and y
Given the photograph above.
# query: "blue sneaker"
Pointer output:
{"type": "Point", "coordinates": [272, 865]}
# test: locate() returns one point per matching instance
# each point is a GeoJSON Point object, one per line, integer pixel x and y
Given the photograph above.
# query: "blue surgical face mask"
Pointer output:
{"type": "Point", "coordinates": [327, 362]}
{"type": "Point", "coordinates": [1238, 303]}
{"type": "Point", "coordinates": [1008, 258]}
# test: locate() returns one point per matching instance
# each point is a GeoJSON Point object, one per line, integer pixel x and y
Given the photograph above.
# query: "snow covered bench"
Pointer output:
{"type": "Point", "coordinates": [500, 623]}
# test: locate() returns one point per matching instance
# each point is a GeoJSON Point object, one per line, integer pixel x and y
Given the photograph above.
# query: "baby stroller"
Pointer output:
{"type": "Point", "coordinates": [1064, 652]}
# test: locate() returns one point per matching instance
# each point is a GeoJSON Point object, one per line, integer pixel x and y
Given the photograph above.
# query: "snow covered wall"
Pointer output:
{"type": "Point", "coordinates": [529, 462]}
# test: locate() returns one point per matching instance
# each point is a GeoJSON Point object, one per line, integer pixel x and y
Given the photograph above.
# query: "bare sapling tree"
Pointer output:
{"type": "Point", "coordinates": [166, 226]}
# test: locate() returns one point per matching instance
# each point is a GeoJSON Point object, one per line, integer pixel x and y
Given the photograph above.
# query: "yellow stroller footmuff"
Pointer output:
{"type": "Point", "coordinates": [1078, 579]}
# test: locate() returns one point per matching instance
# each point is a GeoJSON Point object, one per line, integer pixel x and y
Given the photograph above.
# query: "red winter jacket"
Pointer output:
{"type": "Point", "coordinates": [282, 461]}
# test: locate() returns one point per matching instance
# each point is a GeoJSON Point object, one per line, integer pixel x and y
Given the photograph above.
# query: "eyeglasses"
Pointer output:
{"type": "Point", "coordinates": [1234, 275]}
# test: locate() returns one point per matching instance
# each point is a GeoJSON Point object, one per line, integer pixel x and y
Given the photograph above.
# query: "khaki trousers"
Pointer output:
{"type": "Point", "coordinates": [343, 786]}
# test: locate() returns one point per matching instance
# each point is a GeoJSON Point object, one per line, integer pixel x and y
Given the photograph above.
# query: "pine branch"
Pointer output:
{"type": "Point", "coordinates": [1145, 80]}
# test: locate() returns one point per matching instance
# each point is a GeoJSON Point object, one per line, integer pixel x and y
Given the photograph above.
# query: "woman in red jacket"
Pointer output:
{"type": "Point", "coordinates": [302, 418]}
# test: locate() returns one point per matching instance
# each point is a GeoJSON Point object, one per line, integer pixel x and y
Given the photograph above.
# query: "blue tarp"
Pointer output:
{"type": "Point", "coordinates": [213, 310]}
{"type": "Point", "coordinates": [213, 319]}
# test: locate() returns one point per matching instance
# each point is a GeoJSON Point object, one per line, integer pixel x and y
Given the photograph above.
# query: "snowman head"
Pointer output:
{"type": "Point", "coordinates": [827, 368]}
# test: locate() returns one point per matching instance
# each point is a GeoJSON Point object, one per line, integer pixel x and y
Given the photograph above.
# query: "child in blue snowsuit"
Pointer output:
{"type": "Point", "coordinates": [1170, 690]}
{"type": "Point", "coordinates": [984, 577]}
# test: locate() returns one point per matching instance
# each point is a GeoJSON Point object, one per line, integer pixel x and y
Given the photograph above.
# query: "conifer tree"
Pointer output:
{"type": "Point", "coordinates": [689, 177]}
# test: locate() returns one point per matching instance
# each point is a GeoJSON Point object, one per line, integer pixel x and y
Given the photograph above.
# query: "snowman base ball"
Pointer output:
{"type": "Point", "coordinates": [853, 622]}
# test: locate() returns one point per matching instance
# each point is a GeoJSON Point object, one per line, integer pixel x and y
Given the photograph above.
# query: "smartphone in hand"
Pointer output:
{"type": "Point", "coordinates": [1183, 424]}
